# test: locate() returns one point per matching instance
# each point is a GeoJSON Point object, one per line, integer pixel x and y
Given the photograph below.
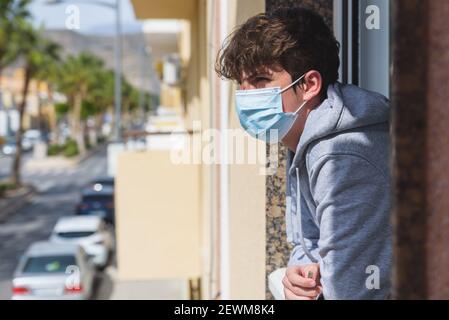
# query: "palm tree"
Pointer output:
{"type": "Point", "coordinates": [130, 102]}
{"type": "Point", "coordinates": [78, 79]}
{"type": "Point", "coordinates": [101, 97]}
{"type": "Point", "coordinates": [36, 53]}
{"type": "Point", "coordinates": [13, 13]}
{"type": "Point", "coordinates": [50, 76]}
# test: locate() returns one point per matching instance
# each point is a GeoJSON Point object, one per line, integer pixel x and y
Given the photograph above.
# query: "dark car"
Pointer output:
{"type": "Point", "coordinates": [98, 202]}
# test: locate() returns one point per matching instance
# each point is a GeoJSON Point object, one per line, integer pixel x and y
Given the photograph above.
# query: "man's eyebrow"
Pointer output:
{"type": "Point", "coordinates": [257, 74]}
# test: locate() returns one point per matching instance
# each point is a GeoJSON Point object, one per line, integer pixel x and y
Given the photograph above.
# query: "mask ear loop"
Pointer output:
{"type": "Point", "coordinates": [292, 84]}
{"type": "Point", "coordinates": [300, 107]}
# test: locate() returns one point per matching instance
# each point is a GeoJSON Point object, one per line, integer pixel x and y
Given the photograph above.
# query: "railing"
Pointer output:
{"type": "Point", "coordinates": [139, 137]}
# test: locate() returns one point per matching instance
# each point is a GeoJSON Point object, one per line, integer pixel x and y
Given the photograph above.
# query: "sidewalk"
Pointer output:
{"type": "Point", "coordinates": [61, 161]}
{"type": "Point", "coordinates": [9, 205]}
{"type": "Point", "coordinates": [113, 289]}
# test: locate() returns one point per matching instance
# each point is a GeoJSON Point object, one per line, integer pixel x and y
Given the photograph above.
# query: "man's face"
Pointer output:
{"type": "Point", "coordinates": [292, 98]}
{"type": "Point", "coordinates": [274, 77]}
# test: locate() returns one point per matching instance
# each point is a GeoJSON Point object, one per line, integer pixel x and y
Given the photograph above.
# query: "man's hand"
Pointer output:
{"type": "Point", "coordinates": [302, 282]}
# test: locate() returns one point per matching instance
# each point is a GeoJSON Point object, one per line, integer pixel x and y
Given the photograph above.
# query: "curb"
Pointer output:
{"type": "Point", "coordinates": [10, 205]}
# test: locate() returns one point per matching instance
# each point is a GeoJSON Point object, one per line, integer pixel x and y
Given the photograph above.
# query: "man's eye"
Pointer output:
{"type": "Point", "coordinates": [260, 82]}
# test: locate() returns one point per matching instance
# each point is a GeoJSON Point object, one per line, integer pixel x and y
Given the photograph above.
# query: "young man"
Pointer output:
{"type": "Point", "coordinates": [338, 178]}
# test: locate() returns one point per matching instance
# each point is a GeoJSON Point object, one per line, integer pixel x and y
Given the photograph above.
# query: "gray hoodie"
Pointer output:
{"type": "Point", "coordinates": [339, 178]}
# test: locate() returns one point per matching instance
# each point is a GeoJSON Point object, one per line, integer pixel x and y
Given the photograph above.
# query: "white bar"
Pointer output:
{"type": "Point", "coordinates": [224, 214]}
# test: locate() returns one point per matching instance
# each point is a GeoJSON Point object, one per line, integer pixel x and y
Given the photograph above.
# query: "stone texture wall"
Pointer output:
{"type": "Point", "coordinates": [278, 250]}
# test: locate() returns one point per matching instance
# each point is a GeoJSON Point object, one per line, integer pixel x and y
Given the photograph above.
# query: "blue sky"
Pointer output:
{"type": "Point", "coordinates": [93, 19]}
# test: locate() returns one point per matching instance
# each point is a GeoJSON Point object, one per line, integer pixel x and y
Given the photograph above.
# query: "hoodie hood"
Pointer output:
{"type": "Point", "coordinates": [346, 107]}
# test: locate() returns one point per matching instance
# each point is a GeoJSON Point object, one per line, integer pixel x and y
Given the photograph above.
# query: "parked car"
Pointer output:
{"type": "Point", "coordinates": [97, 202]}
{"type": "Point", "coordinates": [53, 271]}
{"type": "Point", "coordinates": [104, 181]}
{"type": "Point", "coordinates": [9, 148]}
{"type": "Point", "coordinates": [31, 137]}
{"type": "Point", "coordinates": [90, 232]}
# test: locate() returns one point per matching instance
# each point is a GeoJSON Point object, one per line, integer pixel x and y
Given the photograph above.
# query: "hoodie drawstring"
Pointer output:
{"type": "Point", "coordinates": [299, 217]}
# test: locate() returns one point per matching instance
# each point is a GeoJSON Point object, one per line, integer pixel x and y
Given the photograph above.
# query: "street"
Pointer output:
{"type": "Point", "coordinates": [58, 190]}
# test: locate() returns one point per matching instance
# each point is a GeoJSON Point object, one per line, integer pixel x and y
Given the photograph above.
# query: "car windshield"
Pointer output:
{"type": "Point", "coordinates": [49, 264]}
{"type": "Point", "coordinates": [75, 234]}
{"type": "Point", "coordinates": [97, 198]}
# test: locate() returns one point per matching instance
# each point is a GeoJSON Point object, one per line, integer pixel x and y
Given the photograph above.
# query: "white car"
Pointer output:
{"type": "Point", "coordinates": [54, 271]}
{"type": "Point", "coordinates": [9, 148]}
{"type": "Point", "coordinates": [91, 232]}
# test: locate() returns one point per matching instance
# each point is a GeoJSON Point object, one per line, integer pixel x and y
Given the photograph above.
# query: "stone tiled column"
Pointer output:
{"type": "Point", "coordinates": [278, 250]}
{"type": "Point", "coordinates": [420, 97]}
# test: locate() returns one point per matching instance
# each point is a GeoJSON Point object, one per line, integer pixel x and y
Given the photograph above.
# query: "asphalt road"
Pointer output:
{"type": "Point", "coordinates": [58, 192]}
{"type": "Point", "coordinates": [6, 163]}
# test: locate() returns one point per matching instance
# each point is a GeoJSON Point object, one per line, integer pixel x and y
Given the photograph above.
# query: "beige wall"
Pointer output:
{"type": "Point", "coordinates": [157, 217]}
{"type": "Point", "coordinates": [247, 200]}
{"type": "Point", "coordinates": [166, 9]}
{"type": "Point", "coordinates": [244, 9]}
{"type": "Point", "coordinates": [193, 58]}
{"type": "Point", "coordinates": [171, 97]}
{"type": "Point", "coordinates": [203, 112]}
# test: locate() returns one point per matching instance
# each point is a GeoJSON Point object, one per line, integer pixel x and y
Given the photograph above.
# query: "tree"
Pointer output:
{"type": "Point", "coordinates": [78, 79]}
{"type": "Point", "coordinates": [13, 13]}
{"type": "Point", "coordinates": [36, 53]}
{"type": "Point", "coordinates": [130, 101]}
{"type": "Point", "coordinates": [100, 99]}
{"type": "Point", "coordinates": [49, 75]}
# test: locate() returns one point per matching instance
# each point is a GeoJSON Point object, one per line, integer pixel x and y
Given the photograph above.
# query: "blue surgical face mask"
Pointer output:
{"type": "Point", "coordinates": [261, 115]}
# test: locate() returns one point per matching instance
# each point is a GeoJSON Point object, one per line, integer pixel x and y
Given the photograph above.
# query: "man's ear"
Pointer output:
{"type": "Point", "coordinates": [312, 85]}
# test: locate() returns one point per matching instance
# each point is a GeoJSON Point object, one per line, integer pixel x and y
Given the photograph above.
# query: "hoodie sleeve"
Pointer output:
{"type": "Point", "coordinates": [353, 212]}
{"type": "Point", "coordinates": [310, 233]}
{"type": "Point", "coordinates": [298, 256]}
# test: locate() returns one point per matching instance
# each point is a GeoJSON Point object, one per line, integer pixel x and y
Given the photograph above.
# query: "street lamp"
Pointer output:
{"type": "Point", "coordinates": [118, 58]}
{"type": "Point", "coordinates": [144, 51]}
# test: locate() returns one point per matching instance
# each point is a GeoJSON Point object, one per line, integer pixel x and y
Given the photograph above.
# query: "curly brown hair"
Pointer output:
{"type": "Point", "coordinates": [295, 38]}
